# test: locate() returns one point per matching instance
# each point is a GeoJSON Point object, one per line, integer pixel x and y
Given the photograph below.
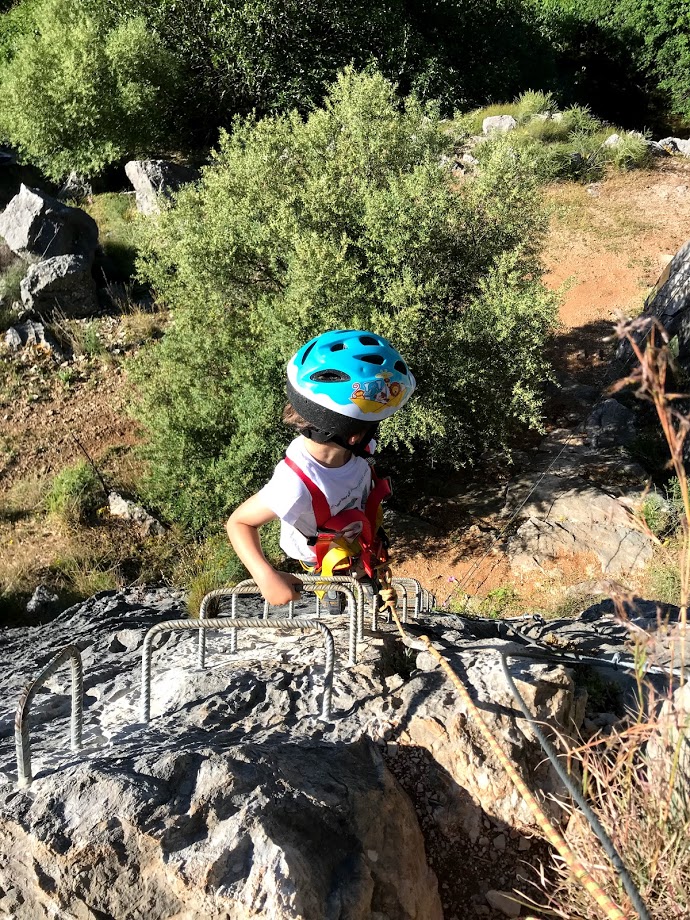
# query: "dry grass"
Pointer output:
{"type": "Point", "coordinates": [638, 783]}
{"type": "Point", "coordinates": [637, 780]}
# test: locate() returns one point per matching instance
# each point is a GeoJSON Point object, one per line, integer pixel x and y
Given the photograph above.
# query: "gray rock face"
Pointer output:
{"type": "Point", "coordinates": [236, 800]}
{"type": "Point", "coordinates": [568, 513]}
{"type": "Point", "coordinates": [40, 600]}
{"type": "Point", "coordinates": [155, 178]}
{"type": "Point", "coordinates": [676, 145]}
{"type": "Point", "coordinates": [610, 424]}
{"type": "Point", "coordinates": [275, 831]}
{"type": "Point", "coordinates": [63, 283]}
{"type": "Point", "coordinates": [30, 334]}
{"type": "Point", "coordinates": [498, 124]}
{"type": "Point", "coordinates": [669, 303]}
{"type": "Point", "coordinates": [36, 227]}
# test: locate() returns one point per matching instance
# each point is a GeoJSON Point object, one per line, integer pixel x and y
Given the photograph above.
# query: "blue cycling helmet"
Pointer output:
{"type": "Point", "coordinates": [342, 380]}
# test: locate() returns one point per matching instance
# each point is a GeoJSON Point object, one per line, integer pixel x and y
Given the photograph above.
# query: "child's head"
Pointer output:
{"type": "Point", "coordinates": [341, 384]}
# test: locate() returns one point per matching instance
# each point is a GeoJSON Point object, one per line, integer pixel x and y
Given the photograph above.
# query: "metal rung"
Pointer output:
{"type": "Point", "coordinates": [343, 584]}
{"type": "Point", "coordinates": [21, 718]}
{"type": "Point", "coordinates": [234, 623]}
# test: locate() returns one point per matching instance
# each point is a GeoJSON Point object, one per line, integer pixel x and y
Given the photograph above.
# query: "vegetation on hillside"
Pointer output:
{"type": "Point", "coordinates": [348, 218]}
{"type": "Point", "coordinates": [86, 83]}
{"type": "Point", "coordinates": [572, 144]}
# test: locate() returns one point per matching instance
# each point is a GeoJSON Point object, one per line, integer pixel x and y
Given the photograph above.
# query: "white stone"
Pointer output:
{"type": "Point", "coordinates": [37, 227]}
{"type": "Point", "coordinates": [498, 124]}
{"type": "Point", "coordinates": [61, 283]}
{"type": "Point", "coordinates": [154, 180]}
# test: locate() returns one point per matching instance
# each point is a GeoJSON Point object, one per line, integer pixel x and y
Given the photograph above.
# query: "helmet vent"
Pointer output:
{"type": "Point", "coordinates": [329, 376]}
{"type": "Point", "coordinates": [369, 340]}
{"type": "Point", "coordinates": [401, 367]}
{"type": "Point", "coordinates": [306, 353]}
{"type": "Point", "coordinates": [337, 347]}
{"type": "Point", "coordinates": [371, 359]}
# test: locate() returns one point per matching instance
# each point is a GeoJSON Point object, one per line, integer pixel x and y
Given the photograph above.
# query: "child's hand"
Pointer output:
{"type": "Point", "coordinates": [279, 587]}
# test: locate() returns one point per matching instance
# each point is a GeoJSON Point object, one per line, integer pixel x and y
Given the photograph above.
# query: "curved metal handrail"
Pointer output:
{"type": "Point", "coordinates": [233, 623]}
{"type": "Point", "coordinates": [21, 719]}
{"type": "Point", "coordinates": [406, 583]}
{"type": "Point", "coordinates": [341, 584]}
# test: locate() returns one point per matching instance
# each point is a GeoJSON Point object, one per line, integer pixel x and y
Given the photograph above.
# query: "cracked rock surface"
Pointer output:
{"type": "Point", "coordinates": [237, 801]}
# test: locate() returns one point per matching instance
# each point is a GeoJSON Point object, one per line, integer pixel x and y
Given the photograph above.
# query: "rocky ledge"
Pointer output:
{"type": "Point", "coordinates": [236, 800]}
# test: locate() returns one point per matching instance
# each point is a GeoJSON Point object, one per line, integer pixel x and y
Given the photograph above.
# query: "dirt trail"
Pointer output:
{"type": "Point", "coordinates": [606, 247]}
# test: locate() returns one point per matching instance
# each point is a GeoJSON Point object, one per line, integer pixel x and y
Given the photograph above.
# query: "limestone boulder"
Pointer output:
{"type": "Point", "coordinates": [228, 831]}
{"type": "Point", "coordinates": [580, 499]}
{"type": "Point", "coordinates": [37, 227]}
{"type": "Point", "coordinates": [566, 517]}
{"type": "Point", "coordinates": [128, 510]}
{"type": "Point", "coordinates": [62, 284]}
{"type": "Point", "coordinates": [676, 145]}
{"type": "Point", "coordinates": [610, 424]}
{"type": "Point", "coordinates": [669, 304]}
{"type": "Point", "coordinates": [237, 800]}
{"type": "Point", "coordinates": [156, 179]}
{"type": "Point", "coordinates": [498, 124]}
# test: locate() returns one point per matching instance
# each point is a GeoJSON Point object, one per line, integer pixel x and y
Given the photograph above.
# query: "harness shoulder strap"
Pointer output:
{"type": "Point", "coordinates": [322, 510]}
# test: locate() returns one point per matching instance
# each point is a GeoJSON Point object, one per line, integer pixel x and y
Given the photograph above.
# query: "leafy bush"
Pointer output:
{"type": "Point", "coordinates": [565, 145]}
{"type": "Point", "coordinates": [74, 493]}
{"type": "Point", "coordinates": [630, 59]}
{"type": "Point", "coordinates": [78, 94]}
{"type": "Point", "coordinates": [213, 564]}
{"type": "Point", "coordinates": [267, 56]}
{"type": "Point", "coordinates": [348, 219]}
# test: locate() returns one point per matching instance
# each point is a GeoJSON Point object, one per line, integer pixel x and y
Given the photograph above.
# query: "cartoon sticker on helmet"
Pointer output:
{"type": "Point", "coordinates": [377, 394]}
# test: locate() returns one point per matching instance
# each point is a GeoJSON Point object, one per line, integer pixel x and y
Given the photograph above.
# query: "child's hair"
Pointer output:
{"type": "Point", "coordinates": [292, 418]}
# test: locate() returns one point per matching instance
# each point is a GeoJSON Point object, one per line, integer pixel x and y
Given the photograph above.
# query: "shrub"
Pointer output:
{"type": "Point", "coordinates": [10, 281]}
{"type": "Point", "coordinates": [74, 493]}
{"type": "Point", "coordinates": [349, 218]}
{"type": "Point", "coordinates": [78, 94]}
{"type": "Point", "coordinates": [533, 103]}
{"type": "Point", "coordinates": [213, 564]}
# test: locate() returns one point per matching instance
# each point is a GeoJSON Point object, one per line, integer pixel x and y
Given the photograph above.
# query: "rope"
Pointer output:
{"type": "Point", "coordinates": [609, 908]}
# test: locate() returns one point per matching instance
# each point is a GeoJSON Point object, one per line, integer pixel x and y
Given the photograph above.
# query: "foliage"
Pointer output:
{"type": "Point", "coordinates": [351, 219]}
{"type": "Point", "coordinates": [560, 145]}
{"type": "Point", "coordinates": [636, 781]}
{"type": "Point", "coordinates": [240, 56]}
{"type": "Point", "coordinates": [630, 58]}
{"type": "Point", "coordinates": [115, 215]}
{"type": "Point", "coordinates": [78, 94]}
{"type": "Point", "coordinates": [663, 513]}
{"type": "Point", "coordinates": [213, 563]}
{"type": "Point", "coordinates": [10, 281]}
{"type": "Point", "coordinates": [74, 493]}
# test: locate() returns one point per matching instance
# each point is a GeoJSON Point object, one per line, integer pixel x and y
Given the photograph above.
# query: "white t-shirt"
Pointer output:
{"type": "Point", "coordinates": [287, 496]}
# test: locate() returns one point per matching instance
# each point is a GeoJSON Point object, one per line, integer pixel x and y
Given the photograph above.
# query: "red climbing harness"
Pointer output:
{"type": "Point", "coordinates": [332, 550]}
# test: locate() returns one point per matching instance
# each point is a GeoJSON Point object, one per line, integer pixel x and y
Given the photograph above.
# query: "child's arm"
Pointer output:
{"type": "Point", "coordinates": [243, 530]}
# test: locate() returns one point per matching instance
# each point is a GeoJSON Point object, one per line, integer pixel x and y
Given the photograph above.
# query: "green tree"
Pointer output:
{"type": "Point", "coordinates": [78, 94]}
{"type": "Point", "coordinates": [350, 218]}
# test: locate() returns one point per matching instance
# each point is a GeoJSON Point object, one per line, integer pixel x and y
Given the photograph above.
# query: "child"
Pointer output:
{"type": "Point", "coordinates": [325, 493]}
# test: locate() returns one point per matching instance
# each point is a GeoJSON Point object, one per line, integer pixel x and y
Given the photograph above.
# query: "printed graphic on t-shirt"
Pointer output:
{"type": "Point", "coordinates": [286, 495]}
